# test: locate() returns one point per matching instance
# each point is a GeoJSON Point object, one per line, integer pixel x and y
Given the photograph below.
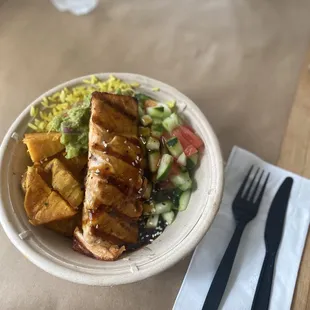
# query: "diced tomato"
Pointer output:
{"type": "Point", "coordinates": [178, 133]}
{"type": "Point", "coordinates": [191, 137]}
{"type": "Point", "coordinates": [189, 127]}
{"type": "Point", "coordinates": [190, 150]}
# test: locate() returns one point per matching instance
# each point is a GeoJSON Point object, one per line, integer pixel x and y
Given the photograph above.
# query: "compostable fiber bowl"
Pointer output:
{"type": "Point", "coordinates": [54, 253]}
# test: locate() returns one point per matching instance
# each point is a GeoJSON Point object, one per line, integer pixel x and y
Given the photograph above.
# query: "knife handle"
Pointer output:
{"type": "Point", "coordinates": [218, 285]}
{"type": "Point", "coordinates": [264, 285]}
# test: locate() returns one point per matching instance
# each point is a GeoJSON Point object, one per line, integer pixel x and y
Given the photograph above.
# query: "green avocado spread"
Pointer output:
{"type": "Point", "coordinates": [73, 125]}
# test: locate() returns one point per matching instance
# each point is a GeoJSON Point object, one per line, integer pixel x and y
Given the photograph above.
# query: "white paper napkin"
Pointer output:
{"type": "Point", "coordinates": [249, 259]}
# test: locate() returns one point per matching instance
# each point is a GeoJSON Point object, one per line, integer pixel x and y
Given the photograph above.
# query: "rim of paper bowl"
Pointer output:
{"type": "Point", "coordinates": [9, 220]}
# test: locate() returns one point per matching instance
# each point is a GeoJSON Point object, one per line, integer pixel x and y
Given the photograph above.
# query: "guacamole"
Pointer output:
{"type": "Point", "coordinates": [74, 126]}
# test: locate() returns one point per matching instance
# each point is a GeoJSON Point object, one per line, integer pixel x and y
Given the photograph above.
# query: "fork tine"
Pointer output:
{"type": "Point", "coordinates": [241, 189]}
{"type": "Point", "coordinates": [256, 187]}
{"type": "Point", "coordinates": [260, 196]}
{"type": "Point", "coordinates": [247, 193]}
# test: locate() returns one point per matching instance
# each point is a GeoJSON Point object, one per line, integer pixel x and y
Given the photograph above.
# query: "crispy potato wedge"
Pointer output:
{"type": "Point", "coordinates": [43, 145]}
{"type": "Point", "coordinates": [76, 165]}
{"type": "Point", "coordinates": [65, 227]}
{"type": "Point", "coordinates": [64, 183]}
{"type": "Point", "coordinates": [41, 203]}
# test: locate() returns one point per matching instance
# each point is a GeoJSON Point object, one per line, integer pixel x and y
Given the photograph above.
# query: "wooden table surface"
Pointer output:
{"type": "Point", "coordinates": [295, 156]}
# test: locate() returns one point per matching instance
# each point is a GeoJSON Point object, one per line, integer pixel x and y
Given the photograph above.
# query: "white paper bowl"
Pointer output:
{"type": "Point", "coordinates": [54, 253]}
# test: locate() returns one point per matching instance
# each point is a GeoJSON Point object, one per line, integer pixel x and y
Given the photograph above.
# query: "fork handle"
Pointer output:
{"type": "Point", "coordinates": [264, 285]}
{"type": "Point", "coordinates": [218, 285]}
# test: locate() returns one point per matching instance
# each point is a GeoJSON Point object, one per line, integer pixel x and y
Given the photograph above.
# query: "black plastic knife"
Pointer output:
{"type": "Point", "coordinates": [273, 235]}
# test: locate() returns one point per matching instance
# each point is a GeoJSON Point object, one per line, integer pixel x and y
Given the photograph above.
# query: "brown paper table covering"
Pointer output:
{"type": "Point", "coordinates": [238, 60]}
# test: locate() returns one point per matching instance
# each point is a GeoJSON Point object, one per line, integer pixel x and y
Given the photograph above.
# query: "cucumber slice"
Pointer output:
{"type": "Point", "coordinates": [182, 160]}
{"type": "Point", "coordinates": [174, 146]}
{"type": "Point", "coordinates": [182, 181]}
{"type": "Point", "coordinates": [157, 111]}
{"type": "Point", "coordinates": [184, 200]}
{"type": "Point", "coordinates": [163, 207]}
{"type": "Point", "coordinates": [167, 111]}
{"type": "Point", "coordinates": [152, 144]}
{"type": "Point", "coordinates": [164, 167]}
{"type": "Point", "coordinates": [148, 191]}
{"type": "Point", "coordinates": [154, 160]}
{"type": "Point", "coordinates": [152, 221]}
{"type": "Point", "coordinates": [144, 131]}
{"type": "Point", "coordinates": [146, 120]}
{"type": "Point", "coordinates": [157, 121]}
{"type": "Point", "coordinates": [157, 130]}
{"type": "Point", "coordinates": [168, 217]}
{"type": "Point", "coordinates": [192, 161]}
{"type": "Point", "coordinates": [171, 122]}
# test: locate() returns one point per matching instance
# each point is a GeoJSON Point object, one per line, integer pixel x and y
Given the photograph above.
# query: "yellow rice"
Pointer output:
{"type": "Point", "coordinates": [64, 99]}
{"type": "Point", "coordinates": [61, 101]}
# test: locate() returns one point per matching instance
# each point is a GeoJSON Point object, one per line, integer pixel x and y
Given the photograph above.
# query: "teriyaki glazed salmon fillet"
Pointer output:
{"type": "Point", "coordinates": [114, 183]}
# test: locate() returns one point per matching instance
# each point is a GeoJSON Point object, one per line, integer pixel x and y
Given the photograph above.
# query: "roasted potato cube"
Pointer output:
{"type": "Point", "coordinates": [65, 227]}
{"type": "Point", "coordinates": [43, 145]}
{"type": "Point", "coordinates": [42, 204]}
{"type": "Point", "coordinates": [64, 183]}
{"type": "Point", "coordinates": [75, 165]}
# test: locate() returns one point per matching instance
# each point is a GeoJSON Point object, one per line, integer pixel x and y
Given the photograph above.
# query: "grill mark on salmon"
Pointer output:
{"type": "Point", "coordinates": [110, 195]}
{"type": "Point", "coordinates": [122, 186]}
{"type": "Point", "coordinates": [137, 163]}
{"type": "Point", "coordinates": [120, 102]}
{"type": "Point", "coordinates": [103, 235]}
{"type": "Point", "coordinates": [114, 121]}
{"type": "Point", "coordinates": [110, 133]}
{"type": "Point", "coordinates": [121, 111]}
{"type": "Point", "coordinates": [133, 140]}
{"type": "Point", "coordinates": [110, 224]}
{"type": "Point", "coordinates": [111, 210]}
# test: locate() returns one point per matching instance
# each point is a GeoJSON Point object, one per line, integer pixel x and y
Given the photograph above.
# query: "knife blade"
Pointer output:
{"type": "Point", "coordinates": [276, 216]}
{"type": "Point", "coordinates": [273, 236]}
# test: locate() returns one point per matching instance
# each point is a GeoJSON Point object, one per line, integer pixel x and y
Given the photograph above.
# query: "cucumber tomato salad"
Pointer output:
{"type": "Point", "coordinates": [173, 150]}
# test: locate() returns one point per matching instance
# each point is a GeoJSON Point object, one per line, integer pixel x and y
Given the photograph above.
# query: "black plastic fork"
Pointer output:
{"type": "Point", "coordinates": [245, 207]}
